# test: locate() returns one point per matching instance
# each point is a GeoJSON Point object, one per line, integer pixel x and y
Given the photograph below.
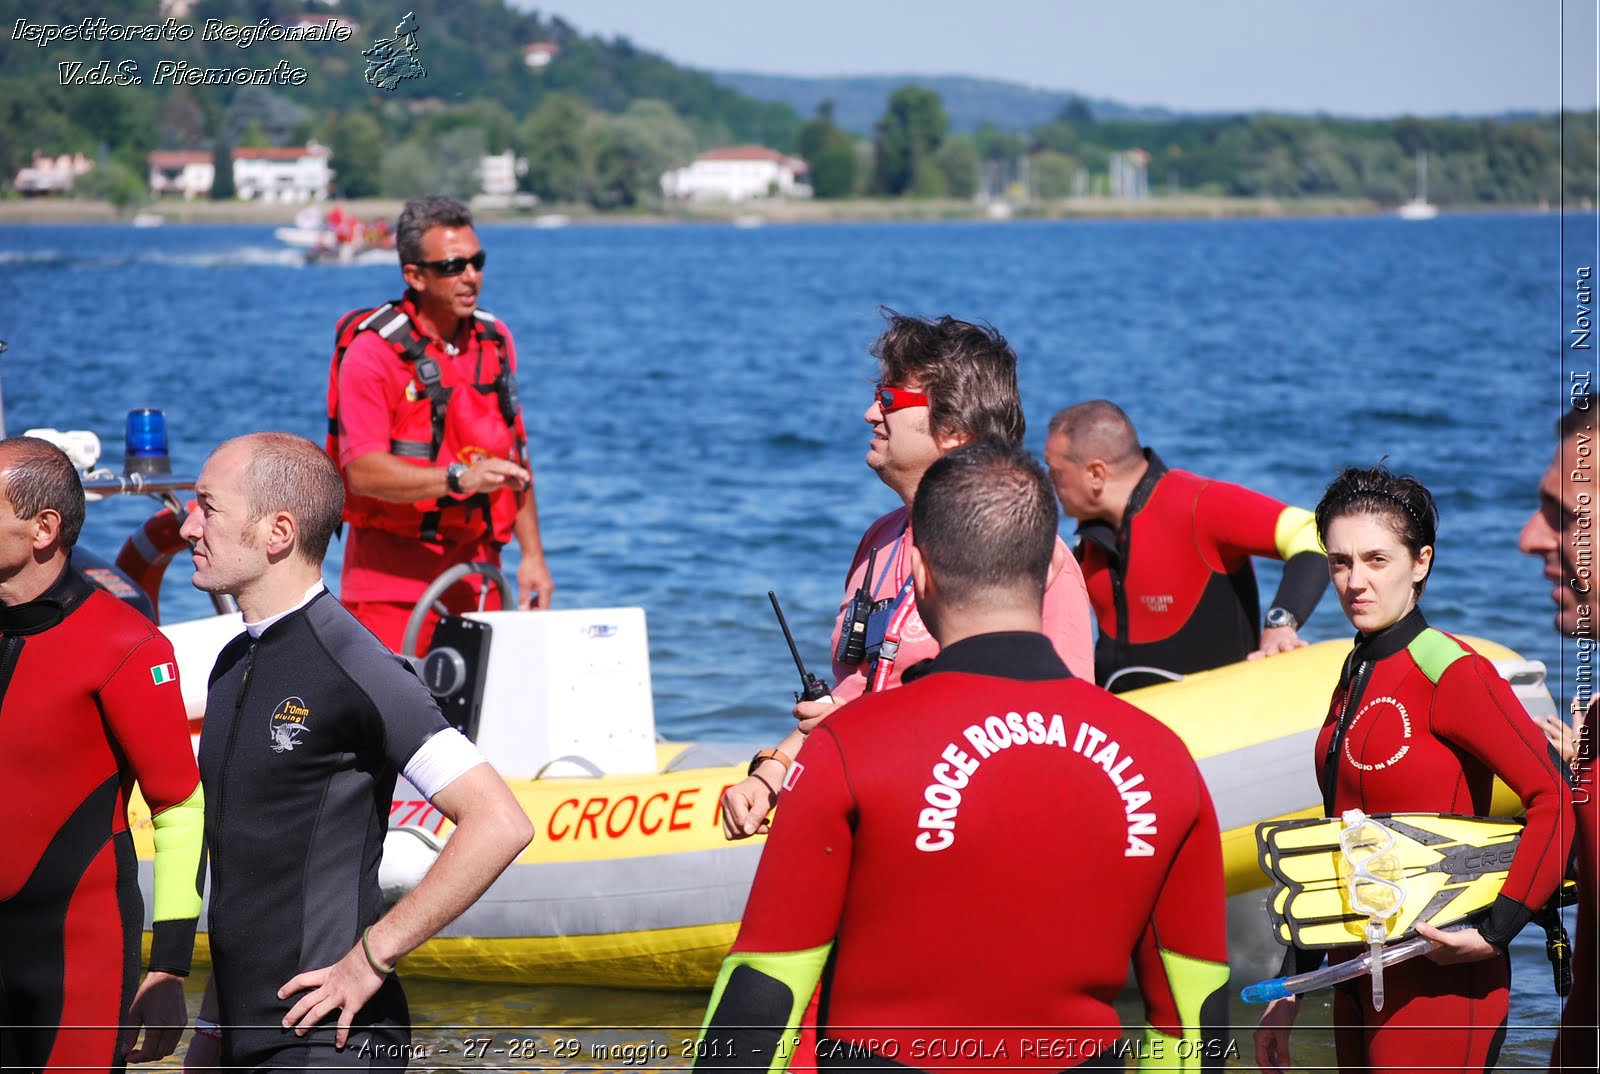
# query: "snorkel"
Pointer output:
{"type": "Point", "coordinates": [1369, 871]}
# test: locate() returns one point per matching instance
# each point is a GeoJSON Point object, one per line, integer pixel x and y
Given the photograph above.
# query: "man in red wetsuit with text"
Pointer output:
{"type": "Point", "coordinates": [1561, 532]}
{"type": "Point", "coordinates": [941, 384]}
{"type": "Point", "coordinates": [426, 428]}
{"type": "Point", "coordinates": [89, 704]}
{"type": "Point", "coordinates": [1186, 600]}
{"type": "Point", "coordinates": [949, 931]}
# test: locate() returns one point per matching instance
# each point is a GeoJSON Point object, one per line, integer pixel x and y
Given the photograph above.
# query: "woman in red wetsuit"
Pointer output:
{"type": "Point", "coordinates": [1421, 723]}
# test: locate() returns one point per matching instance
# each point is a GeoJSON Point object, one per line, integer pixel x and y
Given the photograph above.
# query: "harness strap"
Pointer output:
{"type": "Point", "coordinates": [411, 449]}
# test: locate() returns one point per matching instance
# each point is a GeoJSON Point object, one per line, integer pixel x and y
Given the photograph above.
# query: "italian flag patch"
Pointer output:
{"type": "Point", "coordinates": [163, 673]}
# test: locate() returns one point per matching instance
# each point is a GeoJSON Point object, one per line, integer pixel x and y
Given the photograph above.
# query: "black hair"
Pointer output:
{"type": "Point", "coordinates": [984, 520]}
{"type": "Point", "coordinates": [1400, 501]}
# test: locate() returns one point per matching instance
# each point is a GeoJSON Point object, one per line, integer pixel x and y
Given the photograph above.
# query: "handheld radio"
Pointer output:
{"type": "Point", "coordinates": [812, 688]}
{"type": "Point", "coordinates": [852, 647]}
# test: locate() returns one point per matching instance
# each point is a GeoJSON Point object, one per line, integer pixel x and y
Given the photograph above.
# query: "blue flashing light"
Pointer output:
{"type": "Point", "coordinates": [147, 432]}
{"type": "Point", "coordinates": [145, 445]}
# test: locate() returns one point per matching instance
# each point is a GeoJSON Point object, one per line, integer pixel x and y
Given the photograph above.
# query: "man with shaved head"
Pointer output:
{"type": "Point", "coordinates": [309, 721]}
{"type": "Point", "coordinates": [1187, 600]}
{"type": "Point", "coordinates": [89, 704]}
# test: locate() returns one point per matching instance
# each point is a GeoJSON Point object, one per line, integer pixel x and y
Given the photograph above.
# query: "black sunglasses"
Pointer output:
{"type": "Point", "coordinates": [455, 266]}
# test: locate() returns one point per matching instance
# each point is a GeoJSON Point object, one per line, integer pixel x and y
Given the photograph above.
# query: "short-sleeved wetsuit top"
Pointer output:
{"type": "Point", "coordinates": [938, 848]}
{"type": "Point", "coordinates": [1173, 587]}
{"type": "Point", "coordinates": [306, 728]}
{"type": "Point", "coordinates": [887, 545]}
{"type": "Point", "coordinates": [1419, 723]}
{"type": "Point", "coordinates": [91, 704]}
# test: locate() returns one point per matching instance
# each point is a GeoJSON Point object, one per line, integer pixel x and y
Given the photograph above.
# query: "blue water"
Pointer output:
{"type": "Point", "coordinates": [694, 393]}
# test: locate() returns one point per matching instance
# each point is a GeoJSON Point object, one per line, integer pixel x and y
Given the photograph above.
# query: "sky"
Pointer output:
{"type": "Point", "coordinates": [1347, 57]}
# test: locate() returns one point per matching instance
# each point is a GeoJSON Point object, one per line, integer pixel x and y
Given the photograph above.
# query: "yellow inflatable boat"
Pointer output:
{"type": "Point", "coordinates": [629, 882]}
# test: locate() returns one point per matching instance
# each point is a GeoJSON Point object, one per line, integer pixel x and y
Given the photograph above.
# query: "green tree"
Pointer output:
{"type": "Point", "coordinates": [1052, 173]}
{"type": "Point", "coordinates": [1076, 112]}
{"type": "Point", "coordinates": [356, 142]}
{"type": "Point", "coordinates": [834, 169]}
{"type": "Point", "coordinates": [611, 177]}
{"type": "Point", "coordinates": [406, 171]}
{"type": "Point", "coordinates": [113, 181]}
{"type": "Point", "coordinates": [278, 117]}
{"type": "Point", "coordinates": [908, 136]}
{"type": "Point", "coordinates": [222, 156]}
{"type": "Point", "coordinates": [458, 162]}
{"type": "Point", "coordinates": [958, 163]}
{"type": "Point", "coordinates": [491, 117]}
{"type": "Point", "coordinates": [994, 144]}
{"type": "Point", "coordinates": [553, 142]}
{"type": "Point", "coordinates": [183, 123]}
{"type": "Point", "coordinates": [254, 137]}
{"type": "Point", "coordinates": [631, 151]}
{"type": "Point", "coordinates": [831, 153]}
{"type": "Point", "coordinates": [815, 135]}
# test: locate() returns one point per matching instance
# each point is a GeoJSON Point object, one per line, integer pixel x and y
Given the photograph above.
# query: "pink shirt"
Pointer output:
{"type": "Point", "coordinates": [381, 566]}
{"type": "Point", "coordinates": [1066, 607]}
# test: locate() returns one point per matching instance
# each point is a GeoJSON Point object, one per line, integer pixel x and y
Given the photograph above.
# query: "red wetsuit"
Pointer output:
{"type": "Point", "coordinates": [981, 851]}
{"type": "Point", "coordinates": [1066, 608]}
{"type": "Point", "coordinates": [91, 703]}
{"type": "Point", "coordinates": [1173, 588]}
{"type": "Point", "coordinates": [1420, 723]}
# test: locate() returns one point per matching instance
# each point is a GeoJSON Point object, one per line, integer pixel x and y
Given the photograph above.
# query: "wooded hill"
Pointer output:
{"type": "Point", "coordinates": [603, 120]}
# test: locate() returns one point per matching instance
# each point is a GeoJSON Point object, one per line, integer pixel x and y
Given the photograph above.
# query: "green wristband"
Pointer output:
{"type": "Point", "coordinates": [372, 960]}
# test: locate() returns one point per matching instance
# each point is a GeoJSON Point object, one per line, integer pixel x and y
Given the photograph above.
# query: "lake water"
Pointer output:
{"type": "Point", "coordinates": [694, 398]}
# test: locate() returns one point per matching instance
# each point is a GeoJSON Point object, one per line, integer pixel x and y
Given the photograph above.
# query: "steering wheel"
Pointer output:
{"type": "Point", "coordinates": [436, 589]}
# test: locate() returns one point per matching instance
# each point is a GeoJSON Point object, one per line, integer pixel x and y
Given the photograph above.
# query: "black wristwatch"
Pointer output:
{"type": "Point", "coordinates": [452, 477]}
{"type": "Point", "coordinates": [1281, 617]}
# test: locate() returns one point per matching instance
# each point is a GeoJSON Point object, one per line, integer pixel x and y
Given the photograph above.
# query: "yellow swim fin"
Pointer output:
{"type": "Point", "coordinates": [1450, 868]}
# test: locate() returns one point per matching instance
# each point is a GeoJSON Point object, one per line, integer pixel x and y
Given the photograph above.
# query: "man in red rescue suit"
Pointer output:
{"type": "Point", "coordinates": [424, 424]}
{"type": "Point", "coordinates": [1166, 554]}
{"type": "Point", "coordinates": [951, 930]}
{"type": "Point", "coordinates": [89, 704]}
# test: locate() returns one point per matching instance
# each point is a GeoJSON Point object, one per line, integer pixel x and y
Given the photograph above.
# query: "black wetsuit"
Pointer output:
{"type": "Point", "coordinates": [306, 729]}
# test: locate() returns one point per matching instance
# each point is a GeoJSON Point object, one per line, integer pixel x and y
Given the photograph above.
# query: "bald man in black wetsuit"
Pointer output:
{"type": "Point", "coordinates": [308, 722]}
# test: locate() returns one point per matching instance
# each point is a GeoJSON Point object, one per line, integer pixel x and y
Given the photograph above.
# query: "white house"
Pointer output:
{"type": "Point", "coordinates": [1130, 175]}
{"type": "Point", "coordinates": [292, 174]}
{"type": "Point", "coordinates": [497, 174]}
{"type": "Point", "coordinates": [540, 53]}
{"type": "Point", "coordinates": [52, 175]}
{"type": "Point", "coordinates": [739, 173]}
{"type": "Point", "coordinates": [181, 172]}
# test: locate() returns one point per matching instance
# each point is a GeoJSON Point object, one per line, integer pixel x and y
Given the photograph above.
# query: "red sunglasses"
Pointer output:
{"type": "Point", "coordinates": [892, 399]}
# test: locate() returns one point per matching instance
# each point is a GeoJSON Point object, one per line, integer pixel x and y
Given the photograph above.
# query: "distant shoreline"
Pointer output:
{"type": "Point", "coordinates": [859, 210]}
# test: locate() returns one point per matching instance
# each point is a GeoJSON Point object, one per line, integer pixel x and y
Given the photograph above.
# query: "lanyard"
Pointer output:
{"type": "Point", "coordinates": [904, 604]}
{"type": "Point", "coordinates": [893, 564]}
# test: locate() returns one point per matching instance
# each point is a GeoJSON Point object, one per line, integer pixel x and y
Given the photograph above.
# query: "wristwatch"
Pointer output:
{"type": "Point", "coordinates": [1281, 617]}
{"type": "Point", "coordinates": [769, 755]}
{"type": "Point", "coordinates": [452, 477]}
